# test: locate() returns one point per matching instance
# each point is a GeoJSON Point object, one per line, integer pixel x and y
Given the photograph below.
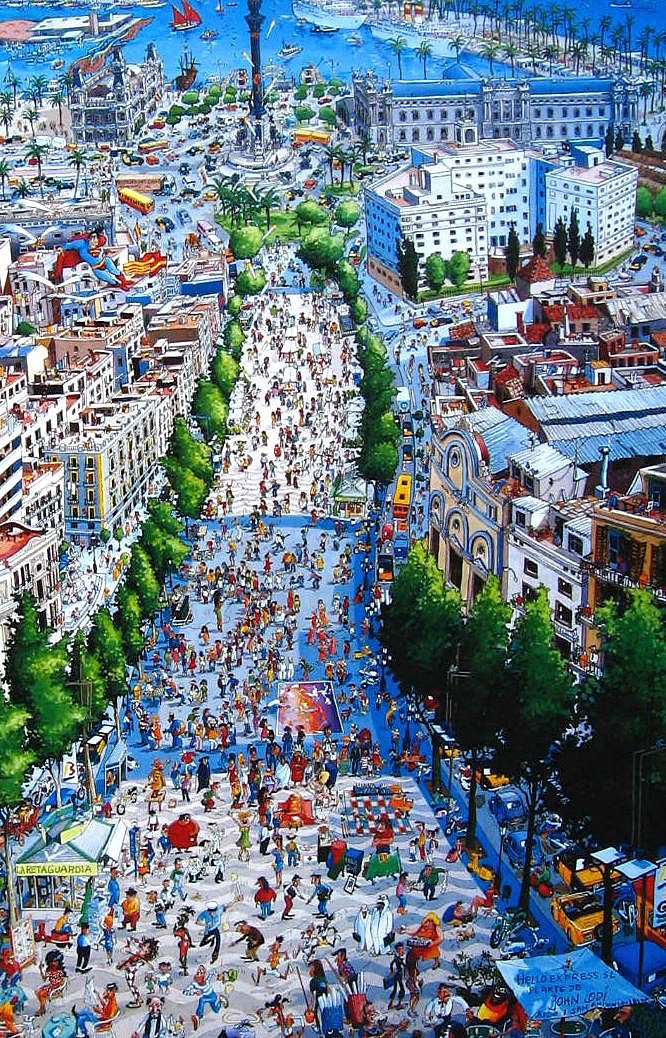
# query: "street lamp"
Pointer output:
{"type": "Point", "coordinates": [503, 829]}
{"type": "Point", "coordinates": [607, 859]}
{"type": "Point", "coordinates": [634, 870]}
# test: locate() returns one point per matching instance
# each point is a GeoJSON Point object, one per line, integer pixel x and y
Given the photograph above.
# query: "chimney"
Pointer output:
{"type": "Point", "coordinates": [601, 490]}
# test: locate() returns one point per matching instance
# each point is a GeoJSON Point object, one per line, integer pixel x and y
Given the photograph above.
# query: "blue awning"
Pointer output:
{"type": "Point", "coordinates": [549, 987]}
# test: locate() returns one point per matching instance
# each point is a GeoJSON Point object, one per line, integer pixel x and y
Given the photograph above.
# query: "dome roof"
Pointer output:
{"type": "Point", "coordinates": [456, 70]}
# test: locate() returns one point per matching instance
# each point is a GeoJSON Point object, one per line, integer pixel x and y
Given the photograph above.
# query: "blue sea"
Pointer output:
{"type": "Point", "coordinates": [330, 52]}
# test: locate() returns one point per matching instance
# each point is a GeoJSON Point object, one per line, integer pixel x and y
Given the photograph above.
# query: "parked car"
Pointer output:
{"type": "Point", "coordinates": [164, 223]}
{"type": "Point", "coordinates": [580, 916]}
{"type": "Point", "coordinates": [576, 870]}
{"type": "Point", "coordinates": [514, 848]}
{"type": "Point", "coordinates": [508, 805]}
{"type": "Point", "coordinates": [184, 168]}
{"type": "Point", "coordinates": [487, 779]}
{"type": "Point", "coordinates": [183, 217]}
{"type": "Point", "coordinates": [407, 454]}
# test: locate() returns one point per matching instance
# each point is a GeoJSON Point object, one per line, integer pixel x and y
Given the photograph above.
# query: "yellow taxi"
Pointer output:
{"type": "Point", "coordinates": [580, 916]}
{"type": "Point", "coordinates": [576, 870]}
{"type": "Point", "coordinates": [487, 779]}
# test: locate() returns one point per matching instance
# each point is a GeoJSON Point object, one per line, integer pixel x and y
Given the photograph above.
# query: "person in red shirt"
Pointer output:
{"type": "Point", "coordinates": [264, 897]}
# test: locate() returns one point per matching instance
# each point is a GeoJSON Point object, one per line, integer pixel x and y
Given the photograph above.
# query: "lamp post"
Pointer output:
{"type": "Point", "coordinates": [607, 859]}
{"type": "Point", "coordinates": [503, 829]}
{"type": "Point", "coordinates": [634, 870]}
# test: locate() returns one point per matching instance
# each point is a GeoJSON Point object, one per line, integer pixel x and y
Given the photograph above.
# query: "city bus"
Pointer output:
{"type": "Point", "coordinates": [136, 200]}
{"type": "Point", "coordinates": [309, 136]}
{"type": "Point", "coordinates": [401, 500]}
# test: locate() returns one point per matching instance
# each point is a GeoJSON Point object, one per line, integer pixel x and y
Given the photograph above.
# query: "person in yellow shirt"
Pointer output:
{"type": "Point", "coordinates": [62, 925]}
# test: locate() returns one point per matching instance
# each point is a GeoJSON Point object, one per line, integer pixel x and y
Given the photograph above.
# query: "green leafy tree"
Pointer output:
{"type": "Point", "coordinates": [644, 203]}
{"type": "Point", "coordinates": [234, 305]}
{"type": "Point", "coordinates": [225, 371]}
{"type": "Point", "coordinates": [250, 281]}
{"type": "Point", "coordinates": [483, 657]}
{"type": "Point", "coordinates": [303, 113]}
{"type": "Point", "coordinates": [105, 535]}
{"type": "Point", "coordinates": [379, 463]}
{"type": "Point", "coordinates": [89, 690]}
{"type": "Point", "coordinates": [310, 213]}
{"type": "Point", "coordinates": [358, 308]}
{"type": "Point", "coordinates": [347, 279]}
{"type": "Point", "coordinates": [78, 160]}
{"type": "Point", "coordinates": [234, 337]}
{"type": "Point", "coordinates": [245, 242]}
{"type": "Point", "coordinates": [421, 630]}
{"type": "Point", "coordinates": [318, 91]}
{"type": "Point", "coordinates": [35, 673]}
{"type": "Point", "coordinates": [435, 269]}
{"type": "Point", "coordinates": [587, 248]}
{"type": "Point", "coordinates": [573, 238]}
{"type": "Point", "coordinates": [397, 45]}
{"type": "Point", "coordinates": [16, 760]}
{"type": "Point", "coordinates": [347, 214]}
{"type": "Point", "coordinates": [210, 409]}
{"type": "Point", "coordinates": [609, 141]}
{"type": "Point", "coordinates": [190, 453]}
{"type": "Point", "coordinates": [560, 242]}
{"type": "Point", "coordinates": [660, 203]}
{"type": "Point", "coordinates": [424, 51]}
{"type": "Point", "coordinates": [327, 115]}
{"type": "Point", "coordinates": [535, 707]}
{"type": "Point", "coordinates": [321, 250]}
{"type": "Point", "coordinates": [301, 92]}
{"type": "Point", "coordinates": [38, 153]}
{"type": "Point", "coordinates": [408, 267]}
{"type": "Point", "coordinates": [127, 620]}
{"type": "Point", "coordinates": [457, 268]}
{"type": "Point", "coordinates": [106, 645]}
{"type": "Point", "coordinates": [512, 254]}
{"type": "Point", "coordinates": [142, 580]}
{"type": "Point", "coordinates": [539, 247]}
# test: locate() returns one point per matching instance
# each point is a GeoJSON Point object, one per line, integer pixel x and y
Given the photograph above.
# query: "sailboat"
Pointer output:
{"type": "Point", "coordinates": [188, 18]}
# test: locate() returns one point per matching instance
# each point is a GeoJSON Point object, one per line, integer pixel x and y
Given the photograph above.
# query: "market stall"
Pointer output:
{"type": "Point", "coordinates": [54, 868]}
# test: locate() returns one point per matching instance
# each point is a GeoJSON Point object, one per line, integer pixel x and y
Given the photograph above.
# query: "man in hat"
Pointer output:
{"type": "Point", "coordinates": [210, 920]}
{"type": "Point", "coordinates": [131, 907]}
{"type": "Point", "coordinates": [381, 926]}
{"type": "Point", "coordinates": [362, 928]}
{"type": "Point", "coordinates": [152, 1025]}
{"type": "Point", "coordinates": [291, 892]}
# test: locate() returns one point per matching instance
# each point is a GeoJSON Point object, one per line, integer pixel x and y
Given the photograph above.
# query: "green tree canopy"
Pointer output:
{"type": "Point", "coordinates": [106, 645]}
{"type": "Point", "coordinates": [142, 580]}
{"type": "Point", "coordinates": [321, 250]}
{"type": "Point", "coordinates": [16, 760]}
{"type": "Point", "coordinates": [304, 113]}
{"type": "Point", "coordinates": [560, 242]}
{"type": "Point", "coordinates": [310, 212]}
{"type": "Point", "coordinates": [347, 213]}
{"type": "Point", "coordinates": [191, 453]}
{"type": "Point", "coordinates": [644, 203]}
{"type": "Point", "coordinates": [457, 268]}
{"type": "Point", "coordinates": [234, 304]}
{"type": "Point", "coordinates": [348, 280]}
{"type": "Point", "coordinates": [535, 707]}
{"type": "Point", "coordinates": [483, 656]}
{"type": "Point", "coordinates": [127, 619]}
{"type": "Point", "coordinates": [539, 247]}
{"type": "Point", "coordinates": [408, 267]}
{"type": "Point", "coordinates": [435, 269]}
{"type": "Point", "coordinates": [512, 253]}
{"type": "Point", "coordinates": [250, 281]}
{"type": "Point", "coordinates": [225, 371]}
{"type": "Point", "coordinates": [327, 115]}
{"type": "Point", "coordinates": [245, 242]}
{"type": "Point", "coordinates": [210, 409]}
{"type": "Point", "coordinates": [358, 309]}
{"type": "Point", "coordinates": [234, 337]}
{"type": "Point", "coordinates": [660, 203]}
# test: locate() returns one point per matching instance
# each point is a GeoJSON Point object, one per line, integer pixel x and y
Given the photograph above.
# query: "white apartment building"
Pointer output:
{"type": "Point", "coordinates": [424, 204]}
{"type": "Point", "coordinates": [44, 497]}
{"type": "Point", "coordinates": [28, 562]}
{"type": "Point", "coordinates": [118, 332]}
{"type": "Point", "coordinates": [603, 193]}
{"type": "Point", "coordinates": [499, 170]}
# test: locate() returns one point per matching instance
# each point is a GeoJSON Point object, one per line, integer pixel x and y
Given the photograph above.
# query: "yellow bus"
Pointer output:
{"type": "Point", "coordinates": [309, 136]}
{"type": "Point", "coordinates": [149, 146]}
{"type": "Point", "coordinates": [402, 498]}
{"type": "Point", "coordinates": [136, 200]}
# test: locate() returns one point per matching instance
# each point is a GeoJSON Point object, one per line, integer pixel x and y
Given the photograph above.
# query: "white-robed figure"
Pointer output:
{"type": "Point", "coordinates": [381, 925]}
{"type": "Point", "coordinates": [362, 929]}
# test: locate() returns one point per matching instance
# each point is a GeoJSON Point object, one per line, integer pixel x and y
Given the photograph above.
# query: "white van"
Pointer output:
{"type": "Point", "coordinates": [403, 399]}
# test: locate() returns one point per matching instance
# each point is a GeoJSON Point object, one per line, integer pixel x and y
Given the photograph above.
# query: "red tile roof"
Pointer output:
{"type": "Point", "coordinates": [462, 331]}
{"type": "Point", "coordinates": [582, 311]}
{"type": "Point", "coordinates": [536, 269]}
{"type": "Point", "coordinates": [659, 339]}
{"type": "Point", "coordinates": [553, 311]}
{"type": "Point", "coordinates": [14, 537]}
{"type": "Point", "coordinates": [506, 375]}
{"type": "Point", "coordinates": [535, 332]}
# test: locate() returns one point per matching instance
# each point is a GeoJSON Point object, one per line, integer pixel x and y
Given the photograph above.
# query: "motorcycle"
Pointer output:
{"type": "Point", "coordinates": [523, 942]}
{"type": "Point", "coordinates": [507, 925]}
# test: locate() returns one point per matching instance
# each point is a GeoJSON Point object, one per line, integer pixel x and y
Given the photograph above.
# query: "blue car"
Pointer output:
{"type": "Point", "coordinates": [514, 848]}
{"type": "Point", "coordinates": [508, 806]}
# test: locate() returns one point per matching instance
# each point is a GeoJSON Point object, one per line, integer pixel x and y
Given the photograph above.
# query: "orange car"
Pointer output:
{"type": "Point", "coordinates": [419, 322]}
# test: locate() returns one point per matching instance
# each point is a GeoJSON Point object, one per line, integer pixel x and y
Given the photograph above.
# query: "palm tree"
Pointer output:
{"type": "Point", "coordinates": [579, 51]}
{"type": "Point", "coordinates": [594, 40]}
{"type": "Point", "coordinates": [604, 25]}
{"type": "Point", "coordinates": [221, 185]}
{"type": "Point", "coordinates": [6, 99]}
{"type": "Point", "coordinates": [533, 52]}
{"type": "Point", "coordinates": [353, 155]}
{"type": "Point", "coordinates": [645, 90]}
{"type": "Point", "coordinates": [424, 50]}
{"type": "Point", "coordinates": [37, 151]}
{"type": "Point", "coordinates": [32, 116]}
{"type": "Point", "coordinates": [628, 23]}
{"type": "Point", "coordinates": [397, 45]}
{"type": "Point", "coordinates": [617, 35]}
{"type": "Point", "coordinates": [269, 200]}
{"type": "Point", "coordinates": [511, 51]}
{"type": "Point", "coordinates": [58, 99]}
{"type": "Point", "coordinates": [14, 84]}
{"type": "Point", "coordinates": [342, 157]}
{"type": "Point", "coordinates": [39, 85]}
{"type": "Point", "coordinates": [550, 51]}
{"type": "Point", "coordinates": [364, 147]}
{"type": "Point", "coordinates": [77, 158]}
{"type": "Point", "coordinates": [489, 52]}
{"type": "Point", "coordinates": [458, 44]}
{"type": "Point", "coordinates": [22, 188]}
{"type": "Point", "coordinates": [331, 153]}
{"type": "Point", "coordinates": [644, 43]}
{"type": "Point", "coordinates": [67, 82]}
{"type": "Point", "coordinates": [6, 118]}
{"type": "Point", "coordinates": [4, 173]}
